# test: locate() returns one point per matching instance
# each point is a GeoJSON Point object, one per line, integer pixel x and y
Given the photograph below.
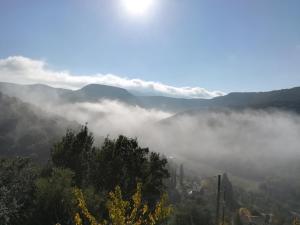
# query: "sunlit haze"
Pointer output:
{"type": "Point", "coordinates": [137, 7]}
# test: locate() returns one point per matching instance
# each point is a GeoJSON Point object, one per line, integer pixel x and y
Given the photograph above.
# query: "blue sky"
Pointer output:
{"type": "Point", "coordinates": [226, 45]}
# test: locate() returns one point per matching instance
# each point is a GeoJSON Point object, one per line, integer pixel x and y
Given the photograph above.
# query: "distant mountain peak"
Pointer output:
{"type": "Point", "coordinates": [97, 86]}
{"type": "Point", "coordinates": [95, 92]}
{"type": "Point", "coordinates": [100, 90]}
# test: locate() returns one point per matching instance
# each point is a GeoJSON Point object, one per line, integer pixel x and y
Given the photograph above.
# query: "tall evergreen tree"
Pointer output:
{"type": "Point", "coordinates": [75, 151]}
{"type": "Point", "coordinates": [123, 162]}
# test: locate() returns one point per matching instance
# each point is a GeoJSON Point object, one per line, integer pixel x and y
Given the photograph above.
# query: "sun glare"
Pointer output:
{"type": "Point", "coordinates": [137, 7]}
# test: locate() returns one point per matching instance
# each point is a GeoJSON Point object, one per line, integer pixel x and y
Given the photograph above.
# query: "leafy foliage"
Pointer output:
{"type": "Point", "coordinates": [16, 190]}
{"type": "Point", "coordinates": [74, 151]}
{"type": "Point", "coordinates": [54, 199]}
{"type": "Point", "coordinates": [123, 162]}
{"type": "Point", "coordinates": [123, 212]}
{"type": "Point", "coordinates": [118, 162]}
{"type": "Point", "coordinates": [83, 184]}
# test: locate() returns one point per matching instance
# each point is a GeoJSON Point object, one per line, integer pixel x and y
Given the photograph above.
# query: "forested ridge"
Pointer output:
{"type": "Point", "coordinates": [26, 130]}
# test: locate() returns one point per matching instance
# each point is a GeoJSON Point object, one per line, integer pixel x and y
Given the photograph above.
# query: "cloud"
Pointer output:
{"type": "Point", "coordinates": [249, 143]}
{"type": "Point", "coordinates": [110, 117]}
{"type": "Point", "coordinates": [23, 70]}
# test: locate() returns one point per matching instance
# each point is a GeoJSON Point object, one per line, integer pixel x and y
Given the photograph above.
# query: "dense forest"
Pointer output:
{"type": "Point", "coordinates": [123, 183]}
{"type": "Point", "coordinates": [48, 194]}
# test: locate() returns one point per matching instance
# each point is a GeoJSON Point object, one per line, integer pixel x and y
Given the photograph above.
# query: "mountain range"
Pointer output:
{"type": "Point", "coordinates": [286, 99]}
{"type": "Point", "coordinates": [28, 128]}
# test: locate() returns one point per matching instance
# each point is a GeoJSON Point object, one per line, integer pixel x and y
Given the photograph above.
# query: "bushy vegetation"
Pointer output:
{"type": "Point", "coordinates": [123, 183]}
{"type": "Point", "coordinates": [122, 212]}
{"type": "Point", "coordinates": [17, 187]}
{"type": "Point", "coordinates": [77, 170]}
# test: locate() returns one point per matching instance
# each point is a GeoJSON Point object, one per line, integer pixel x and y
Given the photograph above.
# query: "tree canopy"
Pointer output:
{"type": "Point", "coordinates": [119, 162]}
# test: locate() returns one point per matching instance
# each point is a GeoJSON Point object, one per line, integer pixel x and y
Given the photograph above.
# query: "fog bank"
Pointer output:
{"type": "Point", "coordinates": [253, 142]}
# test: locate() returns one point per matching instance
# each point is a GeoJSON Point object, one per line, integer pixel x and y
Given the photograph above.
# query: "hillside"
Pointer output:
{"type": "Point", "coordinates": [287, 99]}
{"type": "Point", "coordinates": [26, 130]}
{"type": "Point", "coordinates": [96, 92]}
{"type": "Point", "coordinates": [39, 93]}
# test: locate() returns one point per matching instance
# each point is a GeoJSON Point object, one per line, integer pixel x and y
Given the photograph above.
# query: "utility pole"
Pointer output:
{"type": "Point", "coordinates": [218, 200]}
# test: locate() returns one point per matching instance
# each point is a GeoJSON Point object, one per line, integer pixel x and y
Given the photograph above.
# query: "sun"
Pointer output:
{"type": "Point", "coordinates": [137, 7]}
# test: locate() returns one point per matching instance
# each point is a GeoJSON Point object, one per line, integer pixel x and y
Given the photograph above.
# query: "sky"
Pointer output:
{"type": "Point", "coordinates": [190, 48]}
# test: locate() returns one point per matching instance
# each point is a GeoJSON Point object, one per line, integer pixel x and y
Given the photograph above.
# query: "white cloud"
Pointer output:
{"type": "Point", "coordinates": [19, 69]}
{"type": "Point", "coordinates": [251, 143]}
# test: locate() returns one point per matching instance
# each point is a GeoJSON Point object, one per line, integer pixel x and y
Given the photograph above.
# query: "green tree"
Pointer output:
{"type": "Point", "coordinates": [123, 162]}
{"type": "Point", "coordinates": [119, 162]}
{"type": "Point", "coordinates": [54, 200]}
{"type": "Point", "coordinates": [17, 177]}
{"type": "Point", "coordinates": [75, 151]}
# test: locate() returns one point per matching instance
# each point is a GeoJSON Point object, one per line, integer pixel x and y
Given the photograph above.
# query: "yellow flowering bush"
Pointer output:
{"type": "Point", "coordinates": [122, 212]}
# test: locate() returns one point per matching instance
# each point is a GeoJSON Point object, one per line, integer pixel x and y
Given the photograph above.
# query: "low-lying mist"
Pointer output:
{"type": "Point", "coordinates": [248, 143]}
